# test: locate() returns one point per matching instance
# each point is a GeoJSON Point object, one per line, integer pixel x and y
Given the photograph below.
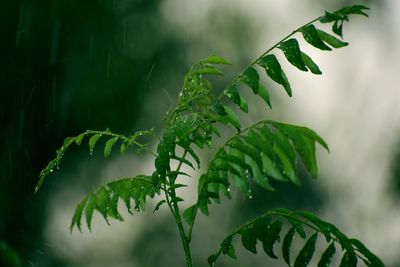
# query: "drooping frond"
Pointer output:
{"type": "Point", "coordinates": [94, 136]}
{"type": "Point", "coordinates": [105, 199]}
{"type": "Point", "coordinates": [269, 230]}
{"type": "Point", "coordinates": [266, 151]}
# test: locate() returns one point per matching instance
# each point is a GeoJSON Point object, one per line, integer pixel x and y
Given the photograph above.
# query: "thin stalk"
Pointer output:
{"type": "Point", "coordinates": [173, 204]}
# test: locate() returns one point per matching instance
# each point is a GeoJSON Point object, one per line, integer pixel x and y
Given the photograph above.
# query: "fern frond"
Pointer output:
{"type": "Point", "coordinates": [268, 230]}
{"type": "Point", "coordinates": [105, 200]}
{"type": "Point", "coordinates": [295, 56]}
{"type": "Point", "coordinates": [265, 151]}
{"type": "Point", "coordinates": [196, 95]}
{"type": "Point", "coordinates": [94, 136]}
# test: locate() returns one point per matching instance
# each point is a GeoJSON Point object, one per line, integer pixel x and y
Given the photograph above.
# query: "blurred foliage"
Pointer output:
{"type": "Point", "coordinates": [8, 257]}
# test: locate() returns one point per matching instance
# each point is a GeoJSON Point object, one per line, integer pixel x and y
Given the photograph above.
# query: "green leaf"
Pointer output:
{"type": "Point", "coordinates": [249, 239]}
{"type": "Point", "coordinates": [306, 253]}
{"type": "Point", "coordinates": [194, 155]}
{"type": "Point", "coordinates": [312, 37]}
{"type": "Point", "coordinates": [327, 256]}
{"type": "Point", "coordinates": [257, 175]}
{"type": "Point", "coordinates": [123, 148]}
{"type": "Point", "coordinates": [227, 247]}
{"type": "Point", "coordinates": [233, 94]}
{"type": "Point", "coordinates": [272, 236]}
{"type": "Point", "coordinates": [270, 169]}
{"type": "Point", "coordinates": [288, 167]}
{"type": "Point", "coordinates": [337, 27]}
{"type": "Point", "coordinates": [331, 40]}
{"type": "Point", "coordinates": [109, 144]}
{"type": "Point", "coordinates": [79, 138]}
{"type": "Point", "coordinates": [310, 64]}
{"type": "Point", "coordinates": [77, 218]}
{"type": "Point", "coordinates": [287, 243]}
{"type": "Point", "coordinates": [92, 142]}
{"type": "Point", "coordinates": [176, 186]}
{"type": "Point", "coordinates": [209, 70]}
{"type": "Point", "coordinates": [263, 93]}
{"type": "Point", "coordinates": [304, 142]}
{"type": "Point", "coordinates": [189, 214]}
{"type": "Point", "coordinates": [273, 69]}
{"type": "Point", "coordinates": [292, 52]}
{"type": "Point", "coordinates": [330, 17]}
{"type": "Point", "coordinates": [214, 59]}
{"type": "Point", "coordinates": [353, 10]}
{"type": "Point", "coordinates": [90, 206]}
{"type": "Point", "coordinates": [372, 258]}
{"type": "Point", "coordinates": [212, 259]}
{"type": "Point", "coordinates": [231, 117]}
{"type": "Point", "coordinates": [159, 205]}
{"type": "Point", "coordinates": [103, 202]}
{"type": "Point", "coordinates": [349, 259]}
{"type": "Point", "coordinates": [251, 78]}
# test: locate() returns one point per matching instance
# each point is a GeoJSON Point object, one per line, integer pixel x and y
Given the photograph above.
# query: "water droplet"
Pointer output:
{"type": "Point", "coordinates": [251, 196]}
{"type": "Point", "coordinates": [229, 189]}
{"type": "Point", "coordinates": [51, 170]}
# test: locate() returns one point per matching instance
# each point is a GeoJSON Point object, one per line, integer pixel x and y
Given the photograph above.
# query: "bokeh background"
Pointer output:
{"type": "Point", "coordinates": [68, 66]}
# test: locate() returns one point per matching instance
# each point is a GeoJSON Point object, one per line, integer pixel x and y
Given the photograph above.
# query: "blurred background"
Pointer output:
{"type": "Point", "coordinates": [68, 66]}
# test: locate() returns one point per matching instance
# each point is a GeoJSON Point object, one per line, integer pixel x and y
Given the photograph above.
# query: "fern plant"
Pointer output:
{"type": "Point", "coordinates": [260, 153]}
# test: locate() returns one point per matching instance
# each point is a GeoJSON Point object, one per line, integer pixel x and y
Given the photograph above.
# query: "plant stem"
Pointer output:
{"type": "Point", "coordinates": [178, 219]}
{"type": "Point", "coordinates": [173, 205]}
